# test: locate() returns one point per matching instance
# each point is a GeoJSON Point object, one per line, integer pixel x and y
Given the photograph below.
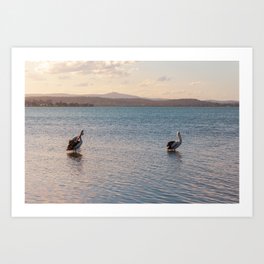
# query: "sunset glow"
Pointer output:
{"type": "Point", "coordinates": [204, 80]}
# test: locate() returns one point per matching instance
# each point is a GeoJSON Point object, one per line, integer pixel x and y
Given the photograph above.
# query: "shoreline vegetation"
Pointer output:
{"type": "Point", "coordinates": [87, 101]}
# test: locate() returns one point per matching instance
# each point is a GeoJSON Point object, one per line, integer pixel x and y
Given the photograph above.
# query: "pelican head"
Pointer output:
{"type": "Point", "coordinates": [82, 133]}
{"type": "Point", "coordinates": [179, 135]}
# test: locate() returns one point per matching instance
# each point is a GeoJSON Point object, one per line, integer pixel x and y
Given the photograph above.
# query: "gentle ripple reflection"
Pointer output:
{"type": "Point", "coordinates": [124, 159]}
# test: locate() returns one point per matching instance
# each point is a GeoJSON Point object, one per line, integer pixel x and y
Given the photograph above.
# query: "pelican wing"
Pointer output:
{"type": "Point", "coordinates": [176, 144]}
{"type": "Point", "coordinates": [173, 144]}
{"type": "Point", "coordinates": [170, 143]}
{"type": "Point", "coordinates": [73, 143]}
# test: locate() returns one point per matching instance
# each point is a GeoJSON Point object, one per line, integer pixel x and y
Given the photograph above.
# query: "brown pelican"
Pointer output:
{"type": "Point", "coordinates": [75, 143]}
{"type": "Point", "coordinates": [172, 145]}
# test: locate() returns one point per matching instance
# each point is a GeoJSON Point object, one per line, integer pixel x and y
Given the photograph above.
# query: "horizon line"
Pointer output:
{"type": "Point", "coordinates": [140, 97]}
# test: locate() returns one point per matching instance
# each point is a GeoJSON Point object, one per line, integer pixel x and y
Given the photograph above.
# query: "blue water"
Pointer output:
{"type": "Point", "coordinates": [123, 158]}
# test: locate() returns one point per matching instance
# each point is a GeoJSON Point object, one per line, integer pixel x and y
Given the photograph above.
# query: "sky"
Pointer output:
{"type": "Point", "coordinates": [204, 80]}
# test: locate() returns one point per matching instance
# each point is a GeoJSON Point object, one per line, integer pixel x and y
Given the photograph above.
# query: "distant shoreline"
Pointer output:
{"type": "Point", "coordinates": [69, 106]}
{"type": "Point", "coordinates": [82, 101]}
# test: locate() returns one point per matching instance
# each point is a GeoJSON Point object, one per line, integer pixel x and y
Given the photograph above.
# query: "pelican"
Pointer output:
{"type": "Point", "coordinates": [75, 143]}
{"type": "Point", "coordinates": [172, 145]}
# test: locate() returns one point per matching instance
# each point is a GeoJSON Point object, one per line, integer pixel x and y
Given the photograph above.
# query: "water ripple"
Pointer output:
{"type": "Point", "coordinates": [124, 158]}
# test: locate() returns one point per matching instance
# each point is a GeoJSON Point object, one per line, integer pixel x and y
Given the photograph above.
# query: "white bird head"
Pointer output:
{"type": "Point", "coordinates": [179, 136]}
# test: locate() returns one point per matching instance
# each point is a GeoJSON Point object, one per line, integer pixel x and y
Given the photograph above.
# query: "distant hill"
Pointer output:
{"type": "Point", "coordinates": [224, 101]}
{"type": "Point", "coordinates": [117, 100]}
{"type": "Point", "coordinates": [112, 95]}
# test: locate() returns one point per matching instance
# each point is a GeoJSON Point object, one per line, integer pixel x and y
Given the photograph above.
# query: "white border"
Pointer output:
{"type": "Point", "coordinates": [243, 208]}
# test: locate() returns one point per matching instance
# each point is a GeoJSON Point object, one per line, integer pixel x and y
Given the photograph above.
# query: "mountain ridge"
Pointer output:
{"type": "Point", "coordinates": [102, 101]}
{"type": "Point", "coordinates": [115, 95]}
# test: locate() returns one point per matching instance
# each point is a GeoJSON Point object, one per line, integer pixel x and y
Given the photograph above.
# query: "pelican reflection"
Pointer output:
{"type": "Point", "coordinates": [175, 154]}
{"type": "Point", "coordinates": [75, 156]}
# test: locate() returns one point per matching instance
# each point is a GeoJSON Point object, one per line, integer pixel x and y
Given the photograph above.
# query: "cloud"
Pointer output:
{"type": "Point", "coordinates": [196, 83]}
{"type": "Point", "coordinates": [64, 77]}
{"type": "Point", "coordinates": [71, 67]}
{"type": "Point", "coordinates": [163, 79]}
{"type": "Point", "coordinates": [34, 70]}
{"type": "Point", "coordinates": [160, 82]}
{"type": "Point", "coordinates": [84, 84]}
{"type": "Point", "coordinates": [40, 70]}
{"type": "Point", "coordinates": [97, 68]}
{"type": "Point", "coordinates": [146, 83]}
{"type": "Point", "coordinates": [125, 82]}
{"type": "Point", "coordinates": [36, 76]}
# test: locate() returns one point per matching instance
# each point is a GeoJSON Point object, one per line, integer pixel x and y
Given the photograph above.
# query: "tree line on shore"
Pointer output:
{"type": "Point", "coordinates": [48, 101]}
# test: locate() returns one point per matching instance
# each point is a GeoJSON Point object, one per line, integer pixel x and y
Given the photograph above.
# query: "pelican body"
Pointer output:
{"type": "Point", "coordinates": [75, 143]}
{"type": "Point", "coordinates": [173, 145]}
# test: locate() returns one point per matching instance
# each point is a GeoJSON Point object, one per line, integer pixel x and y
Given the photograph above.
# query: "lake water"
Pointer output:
{"type": "Point", "coordinates": [124, 159]}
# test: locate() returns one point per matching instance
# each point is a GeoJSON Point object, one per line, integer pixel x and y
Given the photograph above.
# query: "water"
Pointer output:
{"type": "Point", "coordinates": [123, 158]}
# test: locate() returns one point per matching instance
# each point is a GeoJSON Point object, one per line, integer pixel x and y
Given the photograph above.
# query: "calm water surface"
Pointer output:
{"type": "Point", "coordinates": [123, 158]}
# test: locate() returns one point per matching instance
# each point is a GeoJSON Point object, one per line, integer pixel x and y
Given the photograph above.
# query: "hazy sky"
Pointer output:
{"type": "Point", "coordinates": [153, 79]}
